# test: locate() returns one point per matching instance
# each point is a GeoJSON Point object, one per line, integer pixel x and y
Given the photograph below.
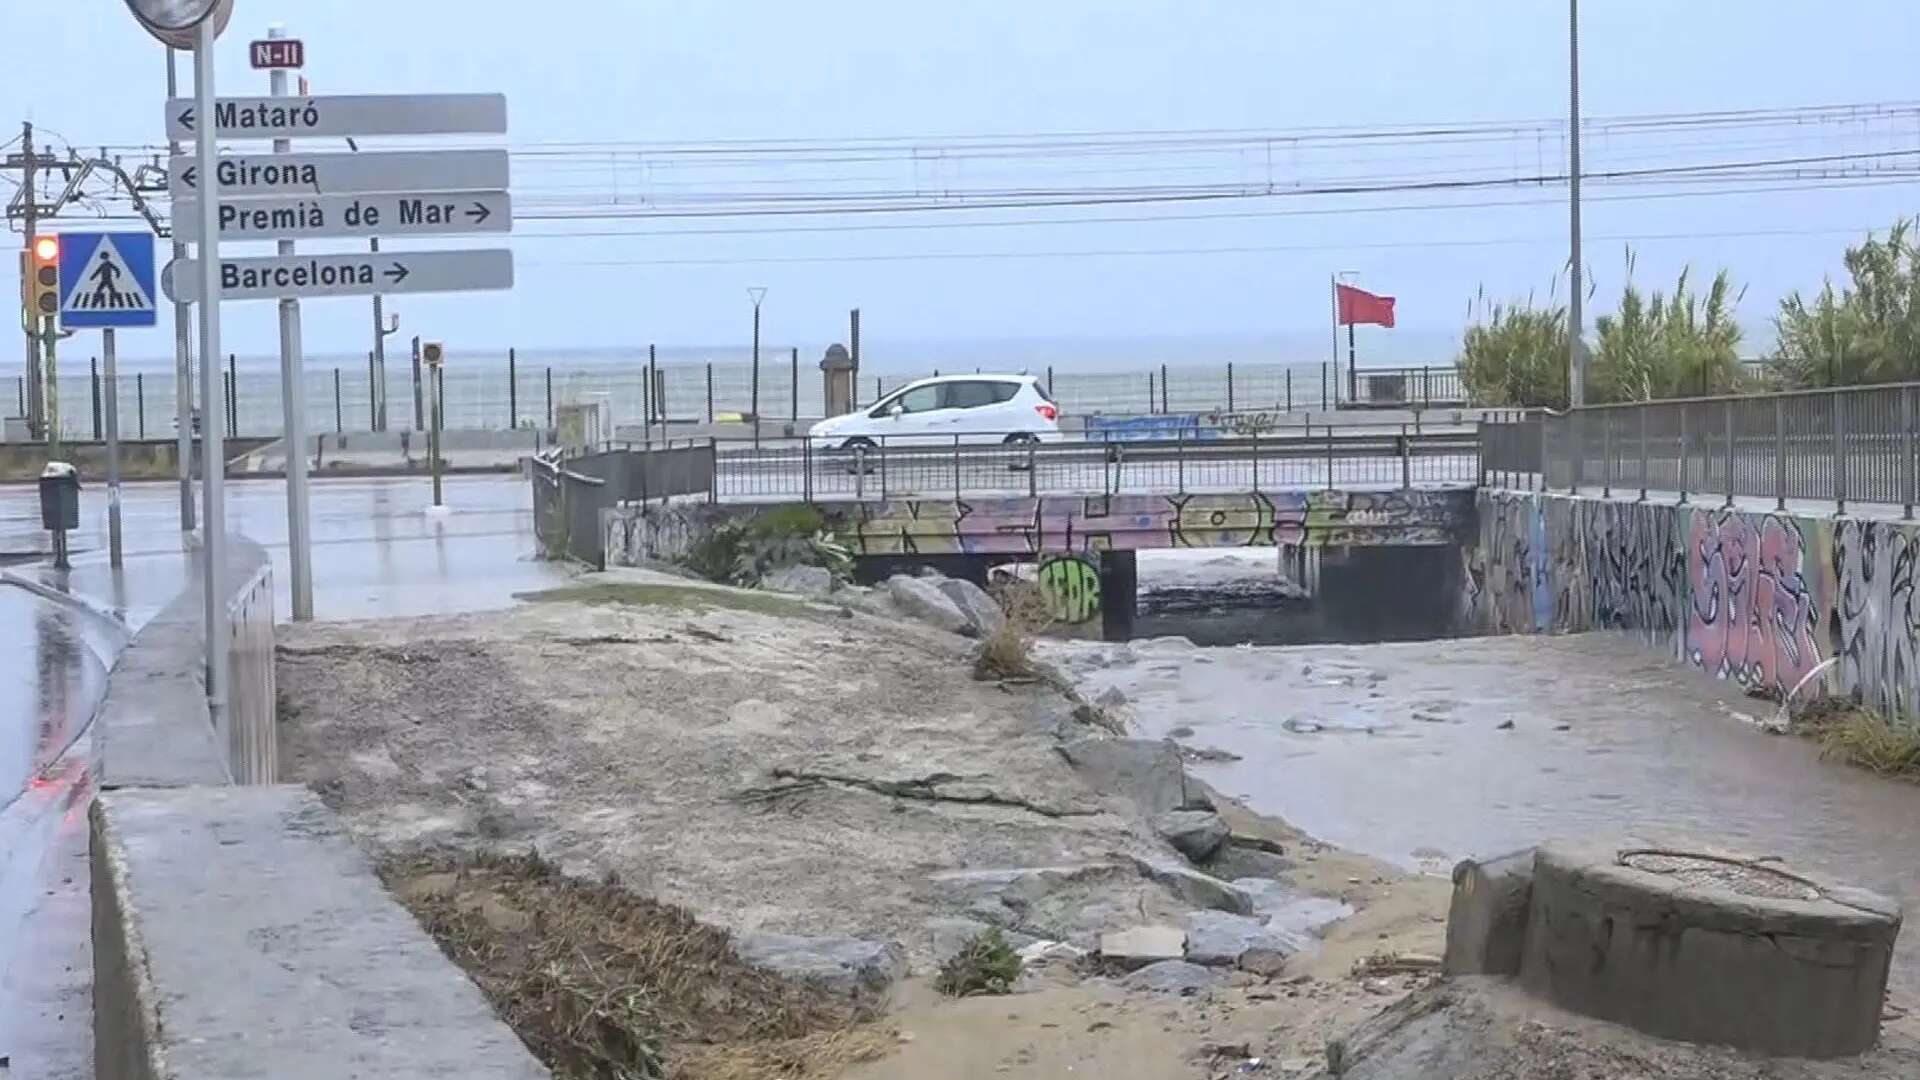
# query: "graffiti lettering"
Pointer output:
{"type": "Point", "coordinates": [1072, 588]}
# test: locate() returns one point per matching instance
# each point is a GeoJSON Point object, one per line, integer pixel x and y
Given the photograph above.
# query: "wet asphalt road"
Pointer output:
{"type": "Point", "coordinates": [376, 552]}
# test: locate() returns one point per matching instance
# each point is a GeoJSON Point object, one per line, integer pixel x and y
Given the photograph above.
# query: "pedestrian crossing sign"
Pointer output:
{"type": "Point", "coordinates": [106, 280]}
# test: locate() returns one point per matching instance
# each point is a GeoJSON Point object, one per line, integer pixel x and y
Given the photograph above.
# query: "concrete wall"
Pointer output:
{"type": "Point", "coordinates": [1760, 598]}
{"type": "Point", "coordinates": [150, 459]}
{"type": "Point", "coordinates": [1079, 524]}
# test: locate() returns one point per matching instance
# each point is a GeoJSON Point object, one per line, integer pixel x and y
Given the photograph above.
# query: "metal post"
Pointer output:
{"type": "Point", "coordinates": [437, 382]}
{"type": "Point", "coordinates": [793, 400]}
{"type": "Point", "coordinates": [1049, 380]}
{"type": "Point", "coordinates": [113, 449]}
{"type": "Point", "coordinates": [1839, 411]}
{"type": "Point", "coordinates": [378, 376]}
{"type": "Point", "coordinates": [1406, 459]}
{"type": "Point", "coordinates": [806, 468]}
{"type": "Point", "coordinates": [1330, 483]}
{"type": "Point", "coordinates": [1728, 450]}
{"type": "Point", "coordinates": [1164, 407]}
{"type": "Point", "coordinates": [182, 355]}
{"type": "Point", "coordinates": [140, 403]}
{"type": "Point", "coordinates": [1289, 375]}
{"type": "Point", "coordinates": [1230, 386]}
{"type": "Point", "coordinates": [1180, 460]}
{"type": "Point", "coordinates": [1033, 478]}
{"type": "Point", "coordinates": [1323, 385]}
{"type": "Point", "coordinates": [1780, 453]}
{"type": "Point", "coordinates": [709, 392]}
{"type": "Point", "coordinates": [853, 354]}
{"type": "Point", "coordinates": [293, 397]}
{"type": "Point", "coordinates": [1683, 454]}
{"type": "Point", "coordinates": [1576, 316]}
{"type": "Point", "coordinates": [233, 395]}
{"type": "Point", "coordinates": [213, 440]}
{"type": "Point", "coordinates": [513, 390]}
{"type": "Point", "coordinates": [93, 391]}
{"type": "Point", "coordinates": [956, 469]}
{"type": "Point", "coordinates": [1606, 455]}
{"type": "Point", "coordinates": [339, 420]}
{"type": "Point", "coordinates": [1644, 409]}
{"type": "Point", "coordinates": [758, 294]}
{"type": "Point", "coordinates": [1150, 408]}
{"type": "Point", "coordinates": [1909, 467]}
{"type": "Point", "coordinates": [1544, 464]}
{"type": "Point", "coordinates": [419, 398]}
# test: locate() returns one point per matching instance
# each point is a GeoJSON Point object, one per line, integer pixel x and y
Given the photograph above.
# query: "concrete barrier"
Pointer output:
{"type": "Point", "coordinates": [238, 932]}
{"type": "Point", "coordinates": [153, 728]}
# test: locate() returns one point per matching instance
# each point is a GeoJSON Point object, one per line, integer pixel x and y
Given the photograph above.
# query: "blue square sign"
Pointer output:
{"type": "Point", "coordinates": [106, 279]}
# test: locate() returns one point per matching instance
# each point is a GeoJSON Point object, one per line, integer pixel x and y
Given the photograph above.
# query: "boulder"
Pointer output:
{"type": "Point", "coordinates": [1232, 862]}
{"type": "Point", "coordinates": [1218, 939]}
{"type": "Point", "coordinates": [920, 598]}
{"type": "Point", "coordinates": [1197, 834]}
{"type": "Point", "coordinates": [949, 936]}
{"type": "Point", "coordinates": [1196, 888]}
{"type": "Point", "coordinates": [1143, 945]}
{"type": "Point", "coordinates": [1487, 919]}
{"type": "Point", "coordinates": [846, 965]}
{"type": "Point", "coordinates": [1295, 916]}
{"type": "Point", "coordinates": [984, 616]}
{"type": "Point", "coordinates": [814, 581]}
{"type": "Point", "coordinates": [1170, 977]}
{"type": "Point", "coordinates": [1144, 771]}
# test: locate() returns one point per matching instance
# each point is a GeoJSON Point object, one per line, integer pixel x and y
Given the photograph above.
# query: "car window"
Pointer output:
{"type": "Point", "coordinates": [919, 399]}
{"type": "Point", "coordinates": [973, 395]}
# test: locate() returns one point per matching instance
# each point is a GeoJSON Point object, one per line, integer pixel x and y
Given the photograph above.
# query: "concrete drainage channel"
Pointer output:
{"type": "Point", "coordinates": [1693, 945]}
{"type": "Point", "coordinates": [237, 930]}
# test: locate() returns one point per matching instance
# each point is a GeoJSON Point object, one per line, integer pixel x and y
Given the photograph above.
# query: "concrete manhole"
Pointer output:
{"type": "Point", "coordinates": [1745, 878]}
{"type": "Point", "coordinates": [1709, 947]}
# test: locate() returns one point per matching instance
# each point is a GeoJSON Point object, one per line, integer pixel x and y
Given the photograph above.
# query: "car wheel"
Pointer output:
{"type": "Point", "coordinates": [1018, 442]}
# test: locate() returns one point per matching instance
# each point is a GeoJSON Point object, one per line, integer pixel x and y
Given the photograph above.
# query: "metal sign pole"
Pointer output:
{"type": "Point", "coordinates": [112, 396]}
{"type": "Point", "coordinates": [292, 396]}
{"type": "Point", "coordinates": [182, 354]}
{"type": "Point", "coordinates": [212, 437]}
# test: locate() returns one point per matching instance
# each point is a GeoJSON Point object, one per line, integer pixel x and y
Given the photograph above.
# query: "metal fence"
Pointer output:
{"type": "Point", "coordinates": [1850, 444]}
{"type": "Point", "coordinates": [249, 741]}
{"type": "Point", "coordinates": [500, 391]}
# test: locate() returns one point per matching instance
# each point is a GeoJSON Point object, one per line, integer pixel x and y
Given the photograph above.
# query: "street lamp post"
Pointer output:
{"type": "Point", "coordinates": [1576, 315]}
{"type": "Point", "coordinates": [756, 294]}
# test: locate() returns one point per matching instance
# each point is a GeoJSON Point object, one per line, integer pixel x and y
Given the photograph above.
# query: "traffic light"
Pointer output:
{"type": "Point", "coordinates": [432, 353]}
{"type": "Point", "coordinates": [40, 277]}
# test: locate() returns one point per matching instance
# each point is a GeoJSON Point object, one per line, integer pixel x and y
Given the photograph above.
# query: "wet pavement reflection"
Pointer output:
{"type": "Point", "coordinates": [1427, 753]}
{"type": "Point", "coordinates": [376, 552]}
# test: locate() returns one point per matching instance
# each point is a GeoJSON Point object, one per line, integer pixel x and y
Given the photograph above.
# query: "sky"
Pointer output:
{"type": "Point", "coordinates": [623, 75]}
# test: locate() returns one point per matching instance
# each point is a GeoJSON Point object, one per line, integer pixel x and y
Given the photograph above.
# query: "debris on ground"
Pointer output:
{"type": "Point", "coordinates": [985, 965]}
{"type": "Point", "coordinates": [605, 985]}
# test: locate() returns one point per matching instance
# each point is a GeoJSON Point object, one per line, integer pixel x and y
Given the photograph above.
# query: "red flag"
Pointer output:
{"type": "Point", "coordinates": [1361, 306]}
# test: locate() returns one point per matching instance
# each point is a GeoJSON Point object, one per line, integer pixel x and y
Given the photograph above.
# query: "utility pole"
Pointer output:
{"type": "Point", "coordinates": [30, 321]}
{"type": "Point", "coordinates": [1576, 314]}
{"type": "Point", "coordinates": [757, 293]}
{"type": "Point", "coordinates": [383, 327]}
{"type": "Point", "coordinates": [182, 348]}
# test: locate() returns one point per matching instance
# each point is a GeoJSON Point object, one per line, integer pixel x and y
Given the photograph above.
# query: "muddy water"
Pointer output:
{"type": "Point", "coordinates": [1402, 751]}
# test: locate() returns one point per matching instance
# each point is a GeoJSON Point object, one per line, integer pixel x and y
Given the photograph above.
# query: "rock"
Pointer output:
{"type": "Point", "coordinates": [1487, 919]}
{"type": "Point", "coordinates": [1295, 916]}
{"type": "Point", "coordinates": [983, 615]}
{"type": "Point", "coordinates": [815, 581]}
{"type": "Point", "coordinates": [1264, 962]}
{"type": "Point", "coordinates": [1112, 698]}
{"type": "Point", "coordinates": [1218, 939]}
{"type": "Point", "coordinates": [949, 936]}
{"type": "Point", "coordinates": [1504, 725]}
{"type": "Point", "coordinates": [1143, 945]}
{"type": "Point", "coordinates": [1144, 771]}
{"type": "Point", "coordinates": [920, 598]}
{"type": "Point", "coordinates": [1196, 888]}
{"type": "Point", "coordinates": [845, 965]}
{"type": "Point", "coordinates": [1197, 834]}
{"type": "Point", "coordinates": [1170, 977]}
{"type": "Point", "coordinates": [1233, 862]}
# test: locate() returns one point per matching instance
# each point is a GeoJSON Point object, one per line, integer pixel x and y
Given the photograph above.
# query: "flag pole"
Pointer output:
{"type": "Point", "coordinates": [1353, 367]}
{"type": "Point", "coordinates": [1333, 294]}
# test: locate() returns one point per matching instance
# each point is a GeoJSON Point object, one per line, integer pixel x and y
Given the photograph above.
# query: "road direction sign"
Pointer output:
{"type": "Point", "coordinates": [278, 53]}
{"type": "Point", "coordinates": [106, 279]}
{"type": "Point", "coordinates": [344, 174]}
{"type": "Point", "coordinates": [342, 115]}
{"type": "Point", "coordinates": [429, 213]}
{"type": "Point", "coordinates": [365, 274]}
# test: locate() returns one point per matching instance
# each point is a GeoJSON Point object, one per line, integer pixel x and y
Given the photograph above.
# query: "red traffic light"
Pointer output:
{"type": "Point", "coordinates": [46, 249]}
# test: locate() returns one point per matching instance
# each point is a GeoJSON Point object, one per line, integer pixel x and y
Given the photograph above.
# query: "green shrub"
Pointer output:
{"type": "Point", "coordinates": [986, 964]}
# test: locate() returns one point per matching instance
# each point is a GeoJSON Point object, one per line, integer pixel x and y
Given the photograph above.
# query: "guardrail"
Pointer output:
{"type": "Point", "coordinates": [249, 739]}
{"type": "Point", "coordinates": [1406, 388]}
{"type": "Point", "coordinates": [1847, 444]}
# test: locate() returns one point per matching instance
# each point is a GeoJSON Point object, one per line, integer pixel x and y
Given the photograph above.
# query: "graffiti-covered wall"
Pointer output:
{"type": "Point", "coordinates": [1760, 598]}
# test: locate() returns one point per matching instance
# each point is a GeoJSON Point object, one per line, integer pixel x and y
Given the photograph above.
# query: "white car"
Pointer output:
{"type": "Point", "coordinates": [939, 411]}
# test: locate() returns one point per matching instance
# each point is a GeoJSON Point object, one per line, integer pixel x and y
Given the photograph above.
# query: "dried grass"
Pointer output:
{"type": "Point", "coordinates": [1861, 737]}
{"type": "Point", "coordinates": [605, 985]}
{"type": "Point", "coordinates": [986, 964]}
{"type": "Point", "coordinates": [1007, 653]}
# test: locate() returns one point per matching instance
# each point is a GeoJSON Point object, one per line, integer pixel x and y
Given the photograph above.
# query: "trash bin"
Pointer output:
{"type": "Point", "coordinates": [59, 497]}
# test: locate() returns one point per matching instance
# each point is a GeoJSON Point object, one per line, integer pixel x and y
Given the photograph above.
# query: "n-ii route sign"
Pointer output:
{"type": "Point", "coordinates": [341, 116]}
{"type": "Point", "coordinates": [440, 213]}
{"type": "Point", "coordinates": [343, 174]}
{"type": "Point", "coordinates": [106, 280]}
{"type": "Point", "coordinates": [366, 274]}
